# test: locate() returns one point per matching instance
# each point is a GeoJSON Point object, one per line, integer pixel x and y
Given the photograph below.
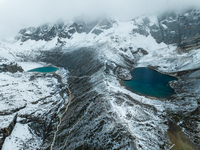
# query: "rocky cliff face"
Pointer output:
{"type": "Point", "coordinates": [99, 113]}
{"type": "Point", "coordinates": [61, 29]}
{"type": "Point", "coordinates": [171, 28]}
{"type": "Point", "coordinates": [13, 68]}
{"type": "Point", "coordinates": [181, 29]}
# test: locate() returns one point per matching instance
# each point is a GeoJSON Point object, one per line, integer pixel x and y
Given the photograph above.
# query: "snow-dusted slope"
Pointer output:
{"type": "Point", "coordinates": [34, 98]}
{"type": "Point", "coordinates": [99, 112]}
{"type": "Point", "coordinates": [28, 101]}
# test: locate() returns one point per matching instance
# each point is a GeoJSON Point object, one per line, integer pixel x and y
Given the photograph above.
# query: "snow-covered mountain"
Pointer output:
{"type": "Point", "coordinates": [83, 105]}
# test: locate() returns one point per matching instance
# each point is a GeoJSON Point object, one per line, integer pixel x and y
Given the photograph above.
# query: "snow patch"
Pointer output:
{"type": "Point", "coordinates": [21, 137]}
{"type": "Point", "coordinates": [30, 65]}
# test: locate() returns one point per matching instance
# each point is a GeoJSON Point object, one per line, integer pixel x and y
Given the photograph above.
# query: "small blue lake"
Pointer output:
{"type": "Point", "coordinates": [149, 82]}
{"type": "Point", "coordinates": [44, 69]}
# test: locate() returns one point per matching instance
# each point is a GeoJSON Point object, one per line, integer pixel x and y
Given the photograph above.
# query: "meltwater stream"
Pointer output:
{"type": "Point", "coordinates": [149, 82]}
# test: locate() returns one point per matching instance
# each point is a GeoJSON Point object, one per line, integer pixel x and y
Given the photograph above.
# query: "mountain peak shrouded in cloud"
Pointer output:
{"type": "Point", "coordinates": [17, 14]}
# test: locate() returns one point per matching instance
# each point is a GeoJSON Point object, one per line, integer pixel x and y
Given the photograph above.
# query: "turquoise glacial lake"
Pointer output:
{"type": "Point", "coordinates": [149, 82]}
{"type": "Point", "coordinates": [44, 69]}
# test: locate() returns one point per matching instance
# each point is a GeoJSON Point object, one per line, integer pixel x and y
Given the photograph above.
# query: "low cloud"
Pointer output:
{"type": "Point", "coordinates": [17, 14]}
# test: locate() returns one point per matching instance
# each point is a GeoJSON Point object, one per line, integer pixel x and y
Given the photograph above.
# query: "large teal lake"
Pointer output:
{"type": "Point", "coordinates": [149, 82]}
{"type": "Point", "coordinates": [44, 69]}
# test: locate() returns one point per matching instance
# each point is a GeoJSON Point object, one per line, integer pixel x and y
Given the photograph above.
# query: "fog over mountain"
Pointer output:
{"type": "Point", "coordinates": [90, 102]}
{"type": "Point", "coordinates": [17, 14]}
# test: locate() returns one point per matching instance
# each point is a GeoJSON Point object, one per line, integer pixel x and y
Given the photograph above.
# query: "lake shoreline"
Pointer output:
{"type": "Point", "coordinates": [39, 69]}
{"type": "Point", "coordinates": [151, 72]}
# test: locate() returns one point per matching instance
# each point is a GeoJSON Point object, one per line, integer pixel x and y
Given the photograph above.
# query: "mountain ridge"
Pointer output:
{"type": "Point", "coordinates": [92, 59]}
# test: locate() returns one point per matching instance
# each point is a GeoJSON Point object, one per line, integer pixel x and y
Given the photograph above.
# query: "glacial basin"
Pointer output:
{"type": "Point", "coordinates": [44, 69]}
{"type": "Point", "coordinates": [149, 82]}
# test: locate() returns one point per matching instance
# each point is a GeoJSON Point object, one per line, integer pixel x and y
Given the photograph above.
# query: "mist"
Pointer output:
{"type": "Point", "coordinates": [18, 14]}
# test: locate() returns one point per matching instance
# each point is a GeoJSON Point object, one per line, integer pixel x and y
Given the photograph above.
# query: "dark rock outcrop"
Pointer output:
{"type": "Point", "coordinates": [182, 29]}
{"type": "Point", "coordinates": [60, 29]}
{"type": "Point", "coordinates": [5, 132]}
{"type": "Point", "coordinates": [13, 67]}
{"type": "Point", "coordinates": [48, 31]}
{"type": "Point", "coordinates": [123, 73]}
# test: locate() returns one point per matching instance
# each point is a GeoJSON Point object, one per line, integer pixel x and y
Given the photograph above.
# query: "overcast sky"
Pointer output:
{"type": "Point", "coordinates": [17, 14]}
